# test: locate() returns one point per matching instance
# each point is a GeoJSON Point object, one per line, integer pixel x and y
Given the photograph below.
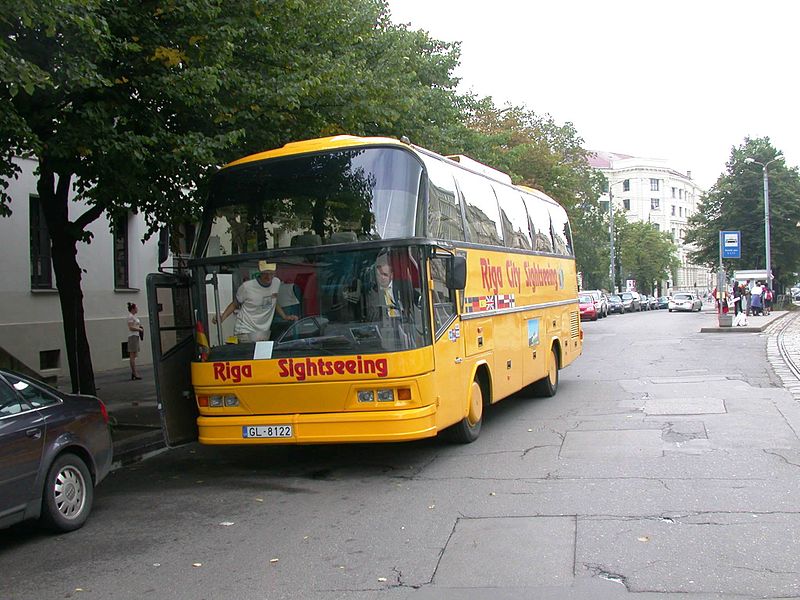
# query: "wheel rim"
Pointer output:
{"type": "Point", "coordinates": [475, 405]}
{"type": "Point", "coordinates": [69, 492]}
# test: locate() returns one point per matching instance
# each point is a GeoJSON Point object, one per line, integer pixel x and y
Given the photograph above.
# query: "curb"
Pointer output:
{"type": "Point", "coordinates": [138, 447]}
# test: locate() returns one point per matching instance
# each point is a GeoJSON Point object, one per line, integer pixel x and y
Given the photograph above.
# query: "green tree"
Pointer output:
{"type": "Point", "coordinates": [127, 106]}
{"type": "Point", "coordinates": [736, 203]}
{"type": "Point", "coordinates": [646, 254]}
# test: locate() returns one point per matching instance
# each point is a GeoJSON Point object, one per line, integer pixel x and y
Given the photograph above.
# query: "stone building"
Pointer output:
{"type": "Point", "coordinates": [115, 265]}
{"type": "Point", "coordinates": [648, 189]}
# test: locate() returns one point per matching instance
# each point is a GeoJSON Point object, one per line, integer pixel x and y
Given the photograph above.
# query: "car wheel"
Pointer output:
{"type": "Point", "coordinates": [68, 494]}
{"type": "Point", "coordinates": [469, 428]}
{"type": "Point", "coordinates": [670, 310]}
{"type": "Point", "coordinates": [547, 386]}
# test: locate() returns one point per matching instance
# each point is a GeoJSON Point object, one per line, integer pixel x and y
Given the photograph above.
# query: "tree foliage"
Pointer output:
{"type": "Point", "coordinates": [127, 106]}
{"type": "Point", "coordinates": [645, 254]}
{"type": "Point", "coordinates": [736, 203]}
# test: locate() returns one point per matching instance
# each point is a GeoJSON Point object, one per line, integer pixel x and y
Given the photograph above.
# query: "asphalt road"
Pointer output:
{"type": "Point", "coordinates": [666, 466]}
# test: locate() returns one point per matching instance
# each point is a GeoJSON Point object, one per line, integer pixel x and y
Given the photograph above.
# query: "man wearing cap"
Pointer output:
{"type": "Point", "coordinates": [257, 302]}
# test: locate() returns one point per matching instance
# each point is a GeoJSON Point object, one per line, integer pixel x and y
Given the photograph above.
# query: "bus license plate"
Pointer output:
{"type": "Point", "coordinates": [266, 431]}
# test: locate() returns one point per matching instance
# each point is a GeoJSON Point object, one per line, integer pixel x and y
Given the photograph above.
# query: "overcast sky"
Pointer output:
{"type": "Point", "coordinates": [683, 80]}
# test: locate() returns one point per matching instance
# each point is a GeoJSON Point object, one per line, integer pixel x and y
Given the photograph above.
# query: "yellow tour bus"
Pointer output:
{"type": "Point", "coordinates": [353, 289]}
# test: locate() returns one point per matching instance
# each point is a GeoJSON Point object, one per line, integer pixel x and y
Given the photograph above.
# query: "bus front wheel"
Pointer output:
{"type": "Point", "coordinates": [547, 386]}
{"type": "Point", "coordinates": [468, 429]}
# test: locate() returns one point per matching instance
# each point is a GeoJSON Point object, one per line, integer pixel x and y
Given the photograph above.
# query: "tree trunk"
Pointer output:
{"type": "Point", "coordinates": [64, 237]}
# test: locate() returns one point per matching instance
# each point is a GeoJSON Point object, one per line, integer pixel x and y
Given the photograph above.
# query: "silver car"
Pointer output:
{"type": "Point", "coordinates": [685, 301]}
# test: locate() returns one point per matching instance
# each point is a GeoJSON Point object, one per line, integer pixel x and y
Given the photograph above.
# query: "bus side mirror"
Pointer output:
{"type": "Point", "coordinates": [163, 246]}
{"type": "Point", "coordinates": [457, 273]}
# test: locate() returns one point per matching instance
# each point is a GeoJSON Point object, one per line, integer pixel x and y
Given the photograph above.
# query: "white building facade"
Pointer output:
{"type": "Point", "coordinates": [115, 265]}
{"type": "Point", "coordinates": [648, 189]}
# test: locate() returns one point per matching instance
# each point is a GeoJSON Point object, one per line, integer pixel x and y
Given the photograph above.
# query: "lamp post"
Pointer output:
{"type": "Point", "coordinates": [767, 248]}
{"type": "Point", "coordinates": [611, 237]}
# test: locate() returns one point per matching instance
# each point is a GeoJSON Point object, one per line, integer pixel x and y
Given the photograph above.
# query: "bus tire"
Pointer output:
{"type": "Point", "coordinates": [547, 386]}
{"type": "Point", "coordinates": [468, 429]}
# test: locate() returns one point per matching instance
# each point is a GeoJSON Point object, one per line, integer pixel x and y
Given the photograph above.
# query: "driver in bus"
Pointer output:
{"type": "Point", "coordinates": [256, 303]}
{"type": "Point", "coordinates": [389, 298]}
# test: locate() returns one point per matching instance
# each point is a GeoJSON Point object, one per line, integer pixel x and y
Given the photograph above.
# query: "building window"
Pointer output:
{"type": "Point", "coordinates": [49, 359]}
{"type": "Point", "coordinates": [626, 203]}
{"type": "Point", "coordinates": [680, 194]}
{"type": "Point", "coordinates": [626, 185]}
{"type": "Point", "coordinates": [673, 210]}
{"type": "Point", "coordinates": [654, 185]}
{"type": "Point", "coordinates": [41, 260]}
{"type": "Point", "coordinates": [656, 226]}
{"type": "Point", "coordinates": [654, 203]}
{"type": "Point", "coordinates": [673, 192]}
{"type": "Point", "coordinates": [680, 211]}
{"type": "Point", "coordinates": [121, 274]}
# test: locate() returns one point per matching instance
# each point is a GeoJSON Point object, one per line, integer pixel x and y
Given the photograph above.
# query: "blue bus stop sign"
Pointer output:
{"type": "Point", "coordinates": [731, 244]}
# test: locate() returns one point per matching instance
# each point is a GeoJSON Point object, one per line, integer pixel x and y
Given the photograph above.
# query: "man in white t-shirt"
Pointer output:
{"type": "Point", "coordinates": [257, 303]}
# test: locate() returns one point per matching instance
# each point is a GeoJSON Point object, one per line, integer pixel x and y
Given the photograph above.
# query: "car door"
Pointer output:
{"type": "Point", "coordinates": [22, 434]}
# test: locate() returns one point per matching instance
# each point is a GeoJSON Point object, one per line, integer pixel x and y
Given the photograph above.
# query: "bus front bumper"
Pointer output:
{"type": "Point", "coordinates": [324, 428]}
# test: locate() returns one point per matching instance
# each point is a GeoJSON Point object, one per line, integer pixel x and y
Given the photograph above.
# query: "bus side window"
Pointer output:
{"type": "Point", "coordinates": [483, 214]}
{"type": "Point", "coordinates": [541, 234]}
{"type": "Point", "coordinates": [442, 299]}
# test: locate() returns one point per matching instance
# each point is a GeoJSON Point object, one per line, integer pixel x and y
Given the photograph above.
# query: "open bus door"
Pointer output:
{"type": "Point", "coordinates": [169, 301]}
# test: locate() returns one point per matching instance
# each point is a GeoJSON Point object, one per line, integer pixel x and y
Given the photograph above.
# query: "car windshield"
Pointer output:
{"type": "Point", "coordinates": [614, 299]}
{"type": "Point", "coordinates": [627, 296]}
{"type": "Point", "coordinates": [585, 299]}
{"type": "Point", "coordinates": [346, 302]}
{"type": "Point", "coordinates": [683, 296]}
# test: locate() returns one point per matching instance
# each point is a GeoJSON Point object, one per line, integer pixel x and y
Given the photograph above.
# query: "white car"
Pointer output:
{"type": "Point", "coordinates": [685, 301]}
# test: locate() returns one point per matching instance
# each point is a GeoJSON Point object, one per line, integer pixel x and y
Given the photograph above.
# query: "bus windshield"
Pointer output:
{"type": "Point", "coordinates": [332, 197]}
{"type": "Point", "coordinates": [345, 303]}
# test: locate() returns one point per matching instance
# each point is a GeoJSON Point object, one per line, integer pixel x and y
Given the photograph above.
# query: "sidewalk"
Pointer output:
{"type": "Point", "coordinates": [754, 324]}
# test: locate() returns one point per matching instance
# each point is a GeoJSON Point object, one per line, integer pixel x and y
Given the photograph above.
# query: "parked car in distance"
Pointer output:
{"type": "Point", "coordinates": [615, 305]}
{"type": "Point", "coordinates": [630, 302]}
{"type": "Point", "coordinates": [54, 449]}
{"type": "Point", "coordinates": [663, 302]}
{"type": "Point", "coordinates": [637, 300]}
{"type": "Point", "coordinates": [600, 301]}
{"type": "Point", "coordinates": [644, 301]}
{"type": "Point", "coordinates": [653, 302]}
{"type": "Point", "coordinates": [685, 301]}
{"type": "Point", "coordinates": [588, 308]}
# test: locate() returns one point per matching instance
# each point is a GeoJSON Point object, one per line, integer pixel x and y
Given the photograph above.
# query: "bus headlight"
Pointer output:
{"type": "Point", "coordinates": [366, 396]}
{"type": "Point", "coordinates": [220, 401]}
{"type": "Point", "coordinates": [386, 395]}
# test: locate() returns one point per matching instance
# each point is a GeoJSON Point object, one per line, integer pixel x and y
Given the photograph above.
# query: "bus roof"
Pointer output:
{"type": "Point", "coordinates": [315, 145]}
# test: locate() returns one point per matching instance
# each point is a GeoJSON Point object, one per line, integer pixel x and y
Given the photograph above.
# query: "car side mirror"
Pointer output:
{"type": "Point", "coordinates": [163, 246]}
{"type": "Point", "coordinates": [457, 273]}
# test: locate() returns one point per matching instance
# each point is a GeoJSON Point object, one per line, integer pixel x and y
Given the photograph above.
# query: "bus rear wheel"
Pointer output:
{"type": "Point", "coordinates": [469, 428]}
{"type": "Point", "coordinates": [547, 386]}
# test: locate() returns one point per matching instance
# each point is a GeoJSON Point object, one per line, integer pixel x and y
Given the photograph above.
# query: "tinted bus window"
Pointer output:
{"type": "Point", "coordinates": [540, 223]}
{"type": "Point", "coordinates": [483, 216]}
{"type": "Point", "coordinates": [513, 217]}
{"type": "Point", "coordinates": [368, 193]}
{"type": "Point", "coordinates": [562, 237]}
{"type": "Point", "coordinates": [444, 208]}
